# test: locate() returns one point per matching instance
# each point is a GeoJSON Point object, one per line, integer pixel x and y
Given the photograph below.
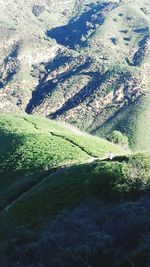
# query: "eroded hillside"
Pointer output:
{"type": "Point", "coordinates": [85, 62]}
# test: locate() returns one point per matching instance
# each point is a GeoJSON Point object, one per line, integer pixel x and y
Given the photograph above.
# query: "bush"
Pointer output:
{"type": "Point", "coordinates": [94, 234]}
{"type": "Point", "coordinates": [38, 10]}
{"type": "Point", "coordinates": [118, 137]}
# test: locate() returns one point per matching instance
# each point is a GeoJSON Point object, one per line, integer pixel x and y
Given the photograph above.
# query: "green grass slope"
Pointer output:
{"type": "Point", "coordinates": [123, 178]}
{"type": "Point", "coordinates": [32, 147]}
{"type": "Point", "coordinates": [133, 121]}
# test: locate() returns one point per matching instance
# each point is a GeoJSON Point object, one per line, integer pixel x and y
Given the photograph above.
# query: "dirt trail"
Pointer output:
{"type": "Point", "coordinates": [60, 170]}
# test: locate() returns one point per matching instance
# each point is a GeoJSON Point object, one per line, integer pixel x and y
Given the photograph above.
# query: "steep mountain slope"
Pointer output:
{"type": "Point", "coordinates": [84, 62]}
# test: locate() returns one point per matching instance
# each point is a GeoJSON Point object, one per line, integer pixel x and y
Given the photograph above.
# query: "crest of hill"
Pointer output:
{"type": "Point", "coordinates": [40, 141]}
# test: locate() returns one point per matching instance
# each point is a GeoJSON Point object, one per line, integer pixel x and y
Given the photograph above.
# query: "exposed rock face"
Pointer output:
{"type": "Point", "coordinates": [79, 61]}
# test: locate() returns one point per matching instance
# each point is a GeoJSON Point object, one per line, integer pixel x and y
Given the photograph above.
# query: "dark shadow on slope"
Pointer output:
{"type": "Point", "coordinates": [139, 55]}
{"type": "Point", "coordinates": [141, 30]}
{"type": "Point", "coordinates": [118, 159]}
{"type": "Point", "coordinates": [46, 88]}
{"type": "Point", "coordinates": [108, 122]}
{"type": "Point", "coordinates": [94, 233]}
{"type": "Point", "coordinates": [59, 61]}
{"type": "Point", "coordinates": [25, 185]}
{"type": "Point", "coordinates": [74, 30]}
{"type": "Point", "coordinates": [41, 91]}
{"type": "Point", "coordinates": [96, 81]}
{"type": "Point", "coordinates": [142, 46]}
{"type": "Point", "coordinates": [71, 34]}
{"type": "Point", "coordinates": [11, 66]}
{"type": "Point", "coordinates": [123, 79]}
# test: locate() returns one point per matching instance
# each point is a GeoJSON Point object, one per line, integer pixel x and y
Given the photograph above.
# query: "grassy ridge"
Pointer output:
{"type": "Point", "coordinates": [29, 146]}
{"type": "Point", "coordinates": [125, 177]}
{"type": "Point", "coordinates": [35, 142]}
{"type": "Point", "coordinates": [31, 196]}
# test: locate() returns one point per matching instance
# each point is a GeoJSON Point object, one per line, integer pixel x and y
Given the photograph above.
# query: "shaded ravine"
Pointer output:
{"type": "Point", "coordinates": [97, 80]}
{"type": "Point", "coordinates": [71, 34]}
{"type": "Point", "coordinates": [11, 65]}
{"type": "Point", "coordinates": [76, 27]}
{"type": "Point", "coordinates": [140, 53]}
{"type": "Point", "coordinates": [46, 88]}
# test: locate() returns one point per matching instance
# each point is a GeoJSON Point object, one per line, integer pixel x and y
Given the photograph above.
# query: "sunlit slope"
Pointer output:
{"type": "Point", "coordinates": [132, 120]}
{"type": "Point", "coordinates": [143, 126]}
{"type": "Point", "coordinates": [32, 147]}
{"type": "Point", "coordinates": [31, 142]}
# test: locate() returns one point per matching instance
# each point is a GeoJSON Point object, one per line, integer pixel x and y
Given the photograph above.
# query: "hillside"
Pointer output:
{"type": "Point", "coordinates": [63, 202]}
{"type": "Point", "coordinates": [71, 186]}
{"type": "Point", "coordinates": [33, 147]}
{"type": "Point", "coordinates": [73, 75]}
{"type": "Point", "coordinates": [84, 62]}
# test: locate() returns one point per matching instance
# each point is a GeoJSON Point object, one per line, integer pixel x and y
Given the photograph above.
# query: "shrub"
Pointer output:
{"type": "Point", "coordinates": [38, 10]}
{"type": "Point", "coordinates": [118, 137]}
